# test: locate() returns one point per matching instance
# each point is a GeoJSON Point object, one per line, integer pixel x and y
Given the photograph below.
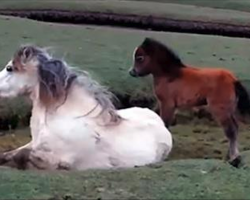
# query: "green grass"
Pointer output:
{"type": "Point", "coordinates": [189, 179]}
{"type": "Point", "coordinates": [162, 9]}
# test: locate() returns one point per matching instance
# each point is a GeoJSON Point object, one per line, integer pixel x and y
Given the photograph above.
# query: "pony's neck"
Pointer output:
{"type": "Point", "coordinates": [78, 103]}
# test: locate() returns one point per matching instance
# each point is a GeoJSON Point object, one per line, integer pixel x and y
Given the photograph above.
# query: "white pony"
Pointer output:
{"type": "Point", "coordinates": [74, 125]}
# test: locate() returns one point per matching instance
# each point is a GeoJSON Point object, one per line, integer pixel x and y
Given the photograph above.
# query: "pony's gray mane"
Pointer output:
{"type": "Point", "coordinates": [56, 77]}
{"type": "Point", "coordinates": [102, 95]}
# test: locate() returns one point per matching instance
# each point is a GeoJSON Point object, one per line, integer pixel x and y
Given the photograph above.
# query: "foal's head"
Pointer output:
{"type": "Point", "coordinates": [153, 57]}
{"type": "Point", "coordinates": [31, 67]}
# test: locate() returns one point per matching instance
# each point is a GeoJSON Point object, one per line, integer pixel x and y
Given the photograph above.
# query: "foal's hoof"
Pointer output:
{"type": "Point", "coordinates": [174, 122]}
{"type": "Point", "coordinates": [236, 162]}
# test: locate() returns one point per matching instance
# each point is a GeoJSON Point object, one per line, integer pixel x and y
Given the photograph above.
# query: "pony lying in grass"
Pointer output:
{"type": "Point", "coordinates": [177, 85]}
{"type": "Point", "coordinates": [74, 125]}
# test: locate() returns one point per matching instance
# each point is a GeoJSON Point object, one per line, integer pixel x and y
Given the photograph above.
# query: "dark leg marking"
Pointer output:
{"type": "Point", "coordinates": [21, 159]}
{"type": "Point", "coordinates": [231, 131]}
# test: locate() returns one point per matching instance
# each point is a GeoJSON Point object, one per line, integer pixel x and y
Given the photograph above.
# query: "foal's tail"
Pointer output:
{"type": "Point", "coordinates": [243, 104]}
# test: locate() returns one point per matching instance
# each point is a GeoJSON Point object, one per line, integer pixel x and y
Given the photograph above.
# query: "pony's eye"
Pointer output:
{"type": "Point", "coordinates": [140, 58]}
{"type": "Point", "coordinates": [9, 69]}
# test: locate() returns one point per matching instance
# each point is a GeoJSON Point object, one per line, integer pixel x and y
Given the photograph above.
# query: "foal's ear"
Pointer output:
{"type": "Point", "coordinates": [148, 45]}
{"type": "Point", "coordinates": [148, 41]}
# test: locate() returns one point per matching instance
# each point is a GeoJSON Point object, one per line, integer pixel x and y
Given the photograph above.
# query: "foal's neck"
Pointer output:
{"type": "Point", "coordinates": [167, 75]}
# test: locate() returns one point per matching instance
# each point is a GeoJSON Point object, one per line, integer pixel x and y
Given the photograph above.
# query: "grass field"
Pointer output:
{"type": "Point", "coordinates": [170, 9]}
{"type": "Point", "coordinates": [107, 54]}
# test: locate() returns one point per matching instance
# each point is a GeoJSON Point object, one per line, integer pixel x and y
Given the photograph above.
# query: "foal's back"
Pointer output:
{"type": "Point", "coordinates": [196, 86]}
{"type": "Point", "coordinates": [211, 79]}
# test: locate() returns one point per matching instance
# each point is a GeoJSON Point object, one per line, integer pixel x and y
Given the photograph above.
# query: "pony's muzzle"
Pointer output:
{"type": "Point", "coordinates": [133, 73]}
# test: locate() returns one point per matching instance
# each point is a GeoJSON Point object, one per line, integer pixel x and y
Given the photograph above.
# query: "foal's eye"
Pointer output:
{"type": "Point", "coordinates": [9, 69]}
{"type": "Point", "coordinates": [139, 58]}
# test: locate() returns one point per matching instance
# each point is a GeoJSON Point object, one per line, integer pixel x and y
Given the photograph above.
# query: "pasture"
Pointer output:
{"type": "Point", "coordinates": [106, 53]}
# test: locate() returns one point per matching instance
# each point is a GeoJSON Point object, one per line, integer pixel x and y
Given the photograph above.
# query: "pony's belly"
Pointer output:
{"type": "Point", "coordinates": [193, 101]}
{"type": "Point", "coordinates": [139, 140]}
{"type": "Point", "coordinates": [68, 140]}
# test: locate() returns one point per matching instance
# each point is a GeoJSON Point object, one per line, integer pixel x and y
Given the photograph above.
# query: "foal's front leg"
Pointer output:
{"type": "Point", "coordinates": [167, 112]}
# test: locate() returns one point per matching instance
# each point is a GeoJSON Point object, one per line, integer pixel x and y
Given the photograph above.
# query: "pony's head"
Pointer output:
{"type": "Point", "coordinates": [32, 71]}
{"type": "Point", "coordinates": [32, 67]}
{"type": "Point", "coordinates": [153, 57]}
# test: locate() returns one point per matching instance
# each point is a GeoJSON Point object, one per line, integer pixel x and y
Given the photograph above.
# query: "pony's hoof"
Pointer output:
{"type": "Point", "coordinates": [155, 165]}
{"type": "Point", "coordinates": [3, 159]}
{"type": "Point", "coordinates": [236, 162]}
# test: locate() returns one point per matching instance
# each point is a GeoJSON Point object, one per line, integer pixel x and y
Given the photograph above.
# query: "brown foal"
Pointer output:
{"type": "Point", "coordinates": [177, 85]}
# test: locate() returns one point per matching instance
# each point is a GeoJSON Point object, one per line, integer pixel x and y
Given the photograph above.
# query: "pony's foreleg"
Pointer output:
{"type": "Point", "coordinates": [167, 113]}
{"type": "Point", "coordinates": [7, 158]}
{"type": "Point", "coordinates": [17, 160]}
{"type": "Point", "coordinates": [28, 158]}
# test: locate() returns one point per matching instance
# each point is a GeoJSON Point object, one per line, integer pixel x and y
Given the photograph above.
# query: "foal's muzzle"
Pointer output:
{"type": "Point", "coordinates": [133, 73]}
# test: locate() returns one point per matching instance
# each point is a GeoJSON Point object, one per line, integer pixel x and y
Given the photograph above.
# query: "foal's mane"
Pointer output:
{"type": "Point", "coordinates": [166, 58]}
{"type": "Point", "coordinates": [56, 77]}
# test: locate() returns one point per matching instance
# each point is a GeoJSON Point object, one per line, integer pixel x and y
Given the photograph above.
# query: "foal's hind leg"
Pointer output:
{"type": "Point", "coordinates": [230, 127]}
{"type": "Point", "coordinates": [228, 121]}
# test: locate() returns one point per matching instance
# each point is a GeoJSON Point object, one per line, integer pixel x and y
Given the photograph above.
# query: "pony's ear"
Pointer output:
{"type": "Point", "coordinates": [27, 53]}
{"type": "Point", "coordinates": [54, 80]}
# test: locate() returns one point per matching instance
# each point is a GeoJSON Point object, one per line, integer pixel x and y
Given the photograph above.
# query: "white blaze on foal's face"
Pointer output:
{"type": "Point", "coordinates": [18, 78]}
